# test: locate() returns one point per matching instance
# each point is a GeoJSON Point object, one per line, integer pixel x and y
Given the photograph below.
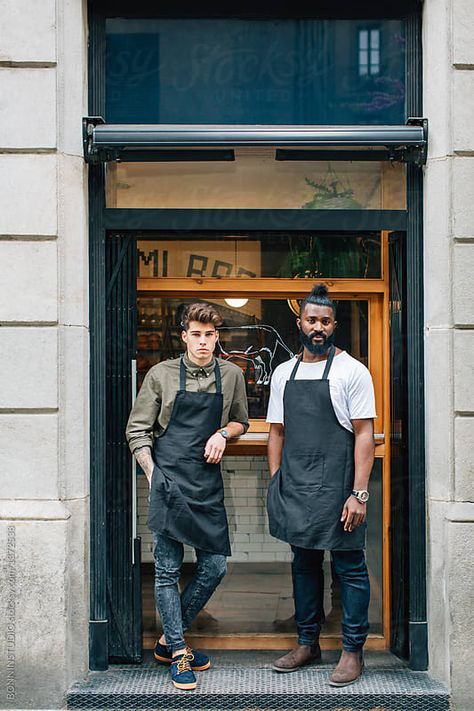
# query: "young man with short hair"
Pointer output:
{"type": "Point", "coordinates": [185, 412]}
{"type": "Point", "coordinates": [320, 456]}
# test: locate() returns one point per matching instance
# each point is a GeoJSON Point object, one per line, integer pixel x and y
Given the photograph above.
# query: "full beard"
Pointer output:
{"type": "Point", "coordinates": [318, 349]}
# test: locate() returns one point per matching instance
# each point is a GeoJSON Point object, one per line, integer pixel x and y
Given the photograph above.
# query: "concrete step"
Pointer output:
{"type": "Point", "coordinates": [245, 681]}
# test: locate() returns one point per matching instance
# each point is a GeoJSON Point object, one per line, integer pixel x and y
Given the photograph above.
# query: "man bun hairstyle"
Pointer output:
{"type": "Point", "coordinates": [201, 312]}
{"type": "Point", "coordinates": [319, 296]}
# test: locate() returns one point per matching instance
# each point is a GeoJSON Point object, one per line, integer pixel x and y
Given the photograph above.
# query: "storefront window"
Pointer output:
{"type": "Point", "coordinates": [256, 180]}
{"type": "Point", "coordinates": [278, 71]}
{"type": "Point", "coordinates": [272, 255]}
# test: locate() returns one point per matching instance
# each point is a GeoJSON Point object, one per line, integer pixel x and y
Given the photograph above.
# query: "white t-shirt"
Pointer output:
{"type": "Point", "coordinates": [350, 387]}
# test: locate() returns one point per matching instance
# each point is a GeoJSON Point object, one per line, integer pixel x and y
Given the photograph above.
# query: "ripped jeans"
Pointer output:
{"type": "Point", "coordinates": [178, 611]}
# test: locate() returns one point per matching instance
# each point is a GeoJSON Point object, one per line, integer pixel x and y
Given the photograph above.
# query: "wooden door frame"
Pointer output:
{"type": "Point", "coordinates": [376, 293]}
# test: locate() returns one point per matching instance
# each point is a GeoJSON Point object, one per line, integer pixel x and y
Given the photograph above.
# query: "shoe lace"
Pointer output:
{"type": "Point", "coordinates": [183, 662]}
{"type": "Point", "coordinates": [189, 654]}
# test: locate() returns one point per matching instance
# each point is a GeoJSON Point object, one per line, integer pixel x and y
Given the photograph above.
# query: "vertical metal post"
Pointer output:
{"type": "Point", "coordinates": [134, 468]}
{"type": "Point", "coordinates": [98, 623]}
{"type": "Point", "coordinates": [418, 626]}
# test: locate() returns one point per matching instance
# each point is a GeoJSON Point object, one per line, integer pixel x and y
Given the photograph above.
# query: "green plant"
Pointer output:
{"type": "Point", "coordinates": [328, 195]}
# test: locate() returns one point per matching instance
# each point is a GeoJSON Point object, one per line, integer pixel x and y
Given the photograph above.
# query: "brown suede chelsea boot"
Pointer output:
{"type": "Point", "coordinates": [349, 669]}
{"type": "Point", "coordinates": [298, 657]}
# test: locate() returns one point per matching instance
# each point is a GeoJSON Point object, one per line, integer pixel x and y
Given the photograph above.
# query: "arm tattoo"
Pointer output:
{"type": "Point", "coordinates": [145, 460]}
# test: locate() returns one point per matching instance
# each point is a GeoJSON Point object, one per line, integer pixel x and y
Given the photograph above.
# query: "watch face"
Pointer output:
{"type": "Point", "coordinates": [363, 496]}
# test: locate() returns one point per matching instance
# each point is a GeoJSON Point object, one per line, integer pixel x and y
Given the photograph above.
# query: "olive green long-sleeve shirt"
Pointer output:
{"type": "Point", "coordinates": [151, 412]}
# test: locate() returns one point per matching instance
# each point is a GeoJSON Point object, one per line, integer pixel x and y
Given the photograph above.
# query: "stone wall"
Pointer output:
{"type": "Point", "coordinates": [44, 352]}
{"type": "Point", "coordinates": [448, 29]}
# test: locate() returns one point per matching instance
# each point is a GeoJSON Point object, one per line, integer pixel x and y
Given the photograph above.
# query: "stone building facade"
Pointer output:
{"type": "Point", "coordinates": [44, 345]}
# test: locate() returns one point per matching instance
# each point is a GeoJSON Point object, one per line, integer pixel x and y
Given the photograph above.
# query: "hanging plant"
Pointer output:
{"type": "Point", "coordinates": [328, 195]}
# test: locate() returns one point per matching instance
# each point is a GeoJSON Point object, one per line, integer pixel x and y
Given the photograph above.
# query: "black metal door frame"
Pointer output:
{"type": "Point", "coordinates": [100, 218]}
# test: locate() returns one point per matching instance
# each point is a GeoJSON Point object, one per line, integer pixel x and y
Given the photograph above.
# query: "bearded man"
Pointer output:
{"type": "Point", "coordinates": [320, 456]}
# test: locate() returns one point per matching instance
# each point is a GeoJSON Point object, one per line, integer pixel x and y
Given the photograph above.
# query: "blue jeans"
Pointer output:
{"type": "Point", "coordinates": [308, 591]}
{"type": "Point", "coordinates": [178, 611]}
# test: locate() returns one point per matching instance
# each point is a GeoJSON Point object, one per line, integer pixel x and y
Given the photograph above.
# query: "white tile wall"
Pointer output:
{"type": "Point", "coordinates": [245, 481]}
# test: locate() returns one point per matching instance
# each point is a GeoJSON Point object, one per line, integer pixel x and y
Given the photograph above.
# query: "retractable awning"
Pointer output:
{"type": "Point", "coordinates": [170, 142]}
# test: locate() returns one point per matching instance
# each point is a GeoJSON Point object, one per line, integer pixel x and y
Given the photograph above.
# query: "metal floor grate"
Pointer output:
{"type": "Point", "coordinates": [254, 686]}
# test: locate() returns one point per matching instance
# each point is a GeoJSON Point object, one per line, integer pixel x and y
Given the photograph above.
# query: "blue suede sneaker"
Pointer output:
{"type": "Point", "coordinates": [182, 675]}
{"type": "Point", "coordinates": [198, 660]}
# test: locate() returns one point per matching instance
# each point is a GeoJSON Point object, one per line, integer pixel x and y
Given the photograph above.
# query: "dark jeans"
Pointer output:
{"type": "Point", "coordinates": [178, 611]}
{"type": "Point", "coordinates": [308, 591]}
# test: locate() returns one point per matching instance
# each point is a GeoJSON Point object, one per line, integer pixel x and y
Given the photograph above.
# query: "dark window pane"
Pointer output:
{"type": "Point", "coordinates": [270, 255]}
{"type": "Point", "coordinates": [254, 71]}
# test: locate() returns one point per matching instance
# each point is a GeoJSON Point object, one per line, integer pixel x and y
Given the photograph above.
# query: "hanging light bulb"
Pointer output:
{"type": "Point", "coordinates": [236, 303]}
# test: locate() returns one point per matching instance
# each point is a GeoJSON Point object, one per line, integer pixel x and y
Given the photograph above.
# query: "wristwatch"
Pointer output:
{"type": "Point", "coordinates": [362, 495]}
{"type": "Point", "coordinates": [224, 433]}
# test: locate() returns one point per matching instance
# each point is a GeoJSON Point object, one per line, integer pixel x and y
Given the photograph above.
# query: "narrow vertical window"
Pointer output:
{"type": "Point", "coordinates": [369, 52]}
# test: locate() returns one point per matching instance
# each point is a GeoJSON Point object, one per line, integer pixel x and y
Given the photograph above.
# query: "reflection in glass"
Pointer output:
{"type": "Point", "coordinates": [257, 337]}
{"type": "Point", "coordinates": [270, 254]}
{"type": "Point", "coordinates": [255, 71]}
{"type": "Point", "coordinates": [255, 180]}
{"type": "Point", "coordinates": [369, 52]}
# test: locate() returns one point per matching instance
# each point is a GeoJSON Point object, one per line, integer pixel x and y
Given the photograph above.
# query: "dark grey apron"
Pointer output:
{"type": "Point", "coordinates": [307, 494]}
{"type": "Point", "coordinates": [187, 493]}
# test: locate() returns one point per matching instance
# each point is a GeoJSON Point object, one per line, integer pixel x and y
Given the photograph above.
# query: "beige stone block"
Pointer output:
{"type": "Point", "coordinates": [28, 378]}
{"type": "Point", "coordinates": [462, 197]}
{"type": "Point", "coordinates": [437, 76]}
{"type": "Point", "coordinates": [73, 243]}
{"type": "Point", "coordinates": [439, 413]}
{"type": "Point", "coordinates": [463, 349]}
{"type": "Point", "coordinates": [464, 458]}
{"type": "Point", "coordinates": [28, 281]}
{"type": "Point", "coordinates": [27, 31]}
{"type": "Point", "coordinates": [463, 101]}
{"type": "Point", "coordinates": [462, 17]}
{"type": "Point", "coordinates": [438, 614]}
{"type": "Point", "coordinates": [463, 284]}
{"type": "Point", "coordinates": [77, 609]}
{"type": "Point", "coordinates": [29, 456]}
{"type": "Point", "coordinates": [460, 584]}
{"type": "Point", "coordinates": [74, 408]}
{"type": "Point", "coordinates": [28, 195]}
{"type": "Point", "coordinates": [27, 93]}
{"type": "Point", "coordinates": [437, 247]}
{"type": "Point", "coordinates": [72, 75]}
{"type": "Point", "coordinates": [33, 599]}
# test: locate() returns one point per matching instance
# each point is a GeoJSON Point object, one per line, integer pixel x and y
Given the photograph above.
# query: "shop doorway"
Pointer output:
{"type": "Point", "coordinates": [248, 184]}
{"type": "Point", "coordinates": [255, 278]}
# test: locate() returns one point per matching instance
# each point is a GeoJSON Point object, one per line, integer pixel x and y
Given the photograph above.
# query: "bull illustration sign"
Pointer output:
{"type": "Point", "coordinates": [260, 356]}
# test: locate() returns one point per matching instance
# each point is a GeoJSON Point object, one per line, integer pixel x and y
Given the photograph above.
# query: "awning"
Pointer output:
{"type": "Point", "coordinates": [170, 142]}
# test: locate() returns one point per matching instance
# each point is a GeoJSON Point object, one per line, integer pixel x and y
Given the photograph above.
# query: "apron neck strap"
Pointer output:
{"type": "Point", "coordinates": [299, 358]}
{"type": "Point", "coordinates": [217, 372]}
{"type": "Point", "coordinates": [182, 376]}
{"type": "Point", "coordinates": [297, 364]}
{"type": "Point", "coordinates": [332, 352]}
